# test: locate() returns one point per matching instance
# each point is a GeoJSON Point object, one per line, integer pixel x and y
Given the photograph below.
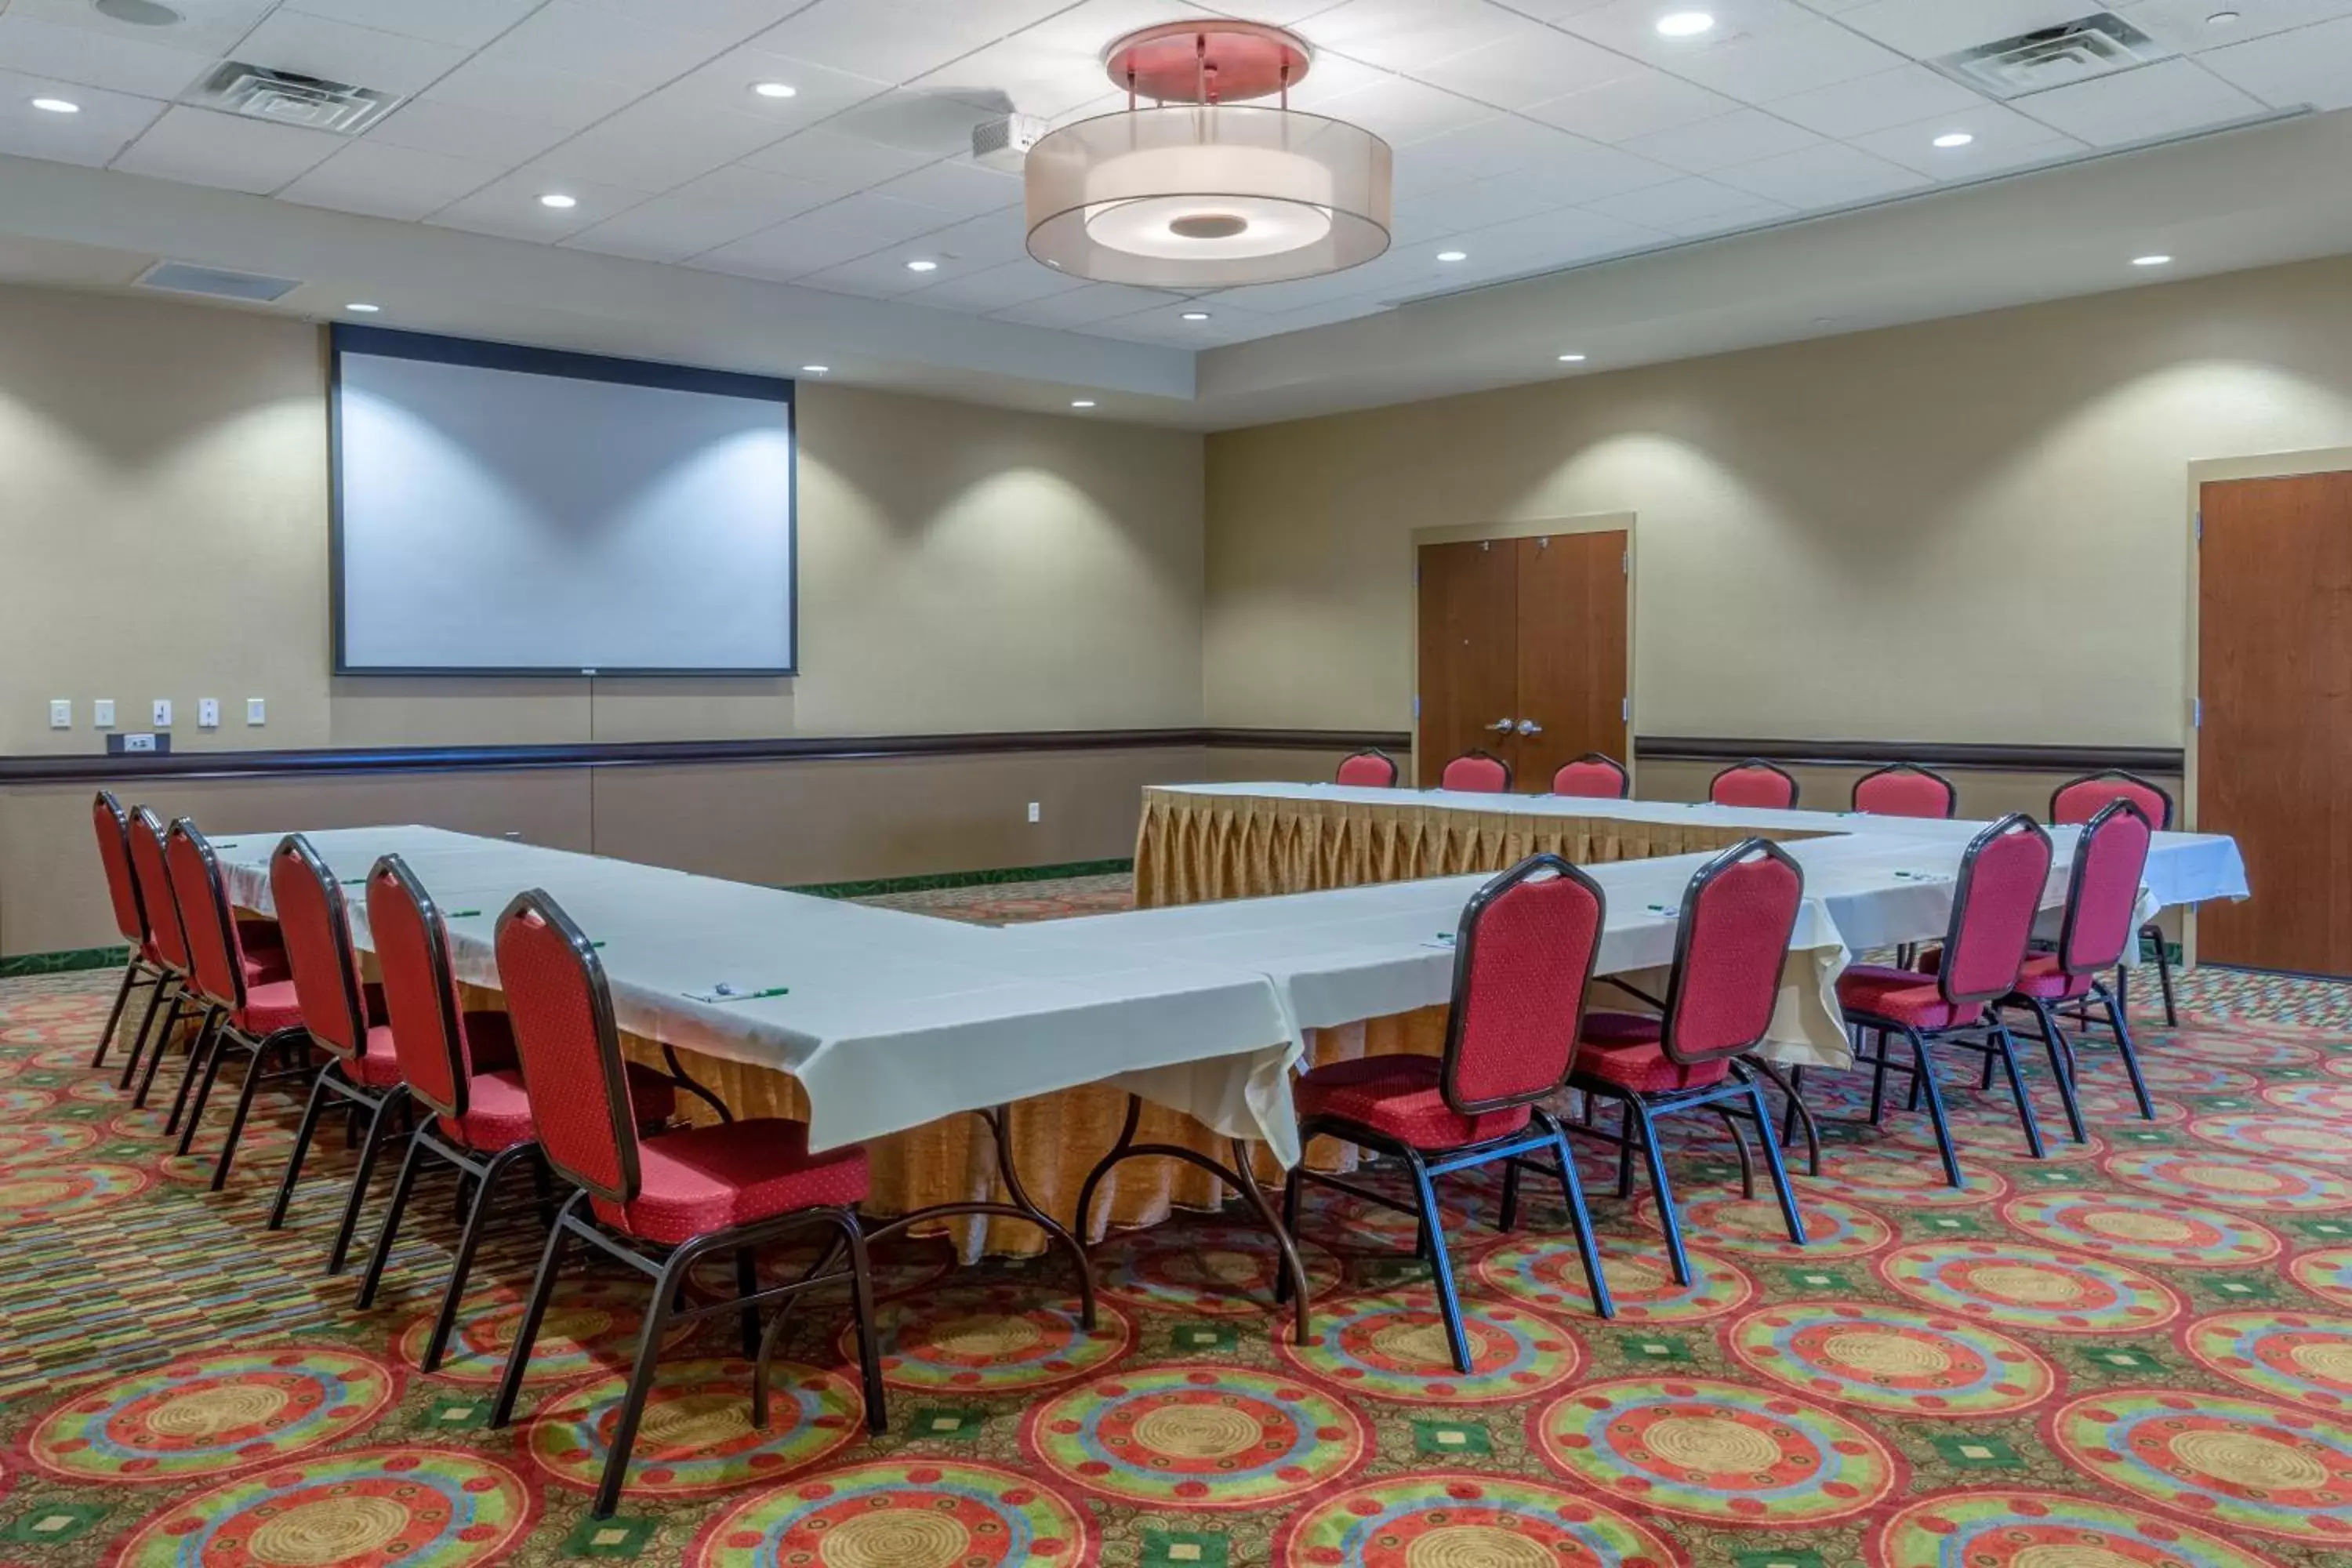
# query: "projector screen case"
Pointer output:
{"type": "Point", "coordinates": [507, 510]}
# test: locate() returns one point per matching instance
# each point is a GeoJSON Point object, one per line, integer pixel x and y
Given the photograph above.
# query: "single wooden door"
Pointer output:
{"type": "Point", "coordinates": [1572, 695]}
{"type": "Point", "coordinates": [2274, 736]}
{"type": "Point", "coordinates": [1469, 666]}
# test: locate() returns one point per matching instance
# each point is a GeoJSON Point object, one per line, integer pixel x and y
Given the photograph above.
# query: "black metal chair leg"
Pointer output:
{"type": "Point", "coordinates": [641, 1383]}
{"type": "Point", "coordinates": [200, 1051]}
{"type": "Point", "coordinates": [1777, 1168]}
{"type": "Point", "coordinates": [1926, 1075]}
{"type": "Point", "coordinates": [1449, 1305]}
{"type": "Point", "coordinates": [303, 1136]}
{"type": "Point", "coordinates": [461, 1266]}
{"type": "Point", "coordinates": [2164, 975]}
{"type": "Point", "coordinates": [1292, 1180]}
{"type": "Point", "coordinates": [534, 1311]}
{"type": "Point", "coordinates": [253, 1078]}
{"type": "Point", "coordinates": [1878, 1064]}
{"type": "Point", "coordinates": [1667, 1220]}
{"type": "Point", "coordinates": [1625, 1149]}
{"type": "Point", "coordinates": [2025, 1118]}
{"type": "Point", "coordinates": [1746, 1161]}
{"type": "Point", "coordinates": [869, 1351]}
{"type": "Point", "coordinates": [379, 1125]}
{"type": "Point", "coordinates": [1579, 1218]}
{"type": "Point", "coordinates": [2124, 1046]}
{"type": "Point", "coordinates": [1799, 1114]}
{"type": "Point", "coordinates": [215, 1053]}
{"type": "Point", "coordinates": [747, 1283]}
{"type": "Point", "coordinates": [401, 1187]}
{"type": "Point", "coordinates": [1509, 1214]}
{"type": "Point", "coordinates": [164, 986]}
{"type": "Point", "coordinates": [2062, 1067]}
{"type": "Point", "coordinates": [114, 1014]}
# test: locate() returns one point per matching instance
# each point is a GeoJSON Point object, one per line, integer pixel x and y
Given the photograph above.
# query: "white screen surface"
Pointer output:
{"type": "Point", "coordinates": [494, 519]}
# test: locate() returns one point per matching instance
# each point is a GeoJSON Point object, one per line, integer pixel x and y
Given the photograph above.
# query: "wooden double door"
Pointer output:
{"type": "Point", "coordinates": [2274, 717]}
{"type": "Point", "coordinates": [1523, 653]}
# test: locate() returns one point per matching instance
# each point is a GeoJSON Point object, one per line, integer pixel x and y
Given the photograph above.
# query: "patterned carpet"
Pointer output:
{"type": "Point", "coordinates": [2135, 1354]}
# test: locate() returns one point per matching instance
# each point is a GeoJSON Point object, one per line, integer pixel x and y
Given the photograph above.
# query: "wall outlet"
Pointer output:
{"type": "Point", "coordinates": [163, 715]}
{"type": "Point", "coordinates": [138, 742]}
{"type": "Point", "coordinates": [257, 713]}
{"type": "Point", "coordinates": [60, 712]}
{"type": "Point", "coordinates": [101, 712]}
{"type": "Point", "coordinates": [1033, 815]}
{"type": "Point", "coordinates": [207, 712]}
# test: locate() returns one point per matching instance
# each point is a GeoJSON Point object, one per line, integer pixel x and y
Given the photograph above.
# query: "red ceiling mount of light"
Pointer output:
{"type": "Point", "coordinates": [1220, 62]}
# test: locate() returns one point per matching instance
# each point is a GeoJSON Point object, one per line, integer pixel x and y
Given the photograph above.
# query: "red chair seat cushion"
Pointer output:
{"type": "Point", "coordinates": [2045, 981]}
{"type": "Point", "coordinates": [1621, 1051]}
{"type": "Point", "coordinates": [269, 1006]}
{"type": "Point", "coordinates": [498, 1107]}
{"type": "Point", "coordinates": [1900, 996]}
{"type": "Point", "coordinates": [1398, 1098]}
{"type": "Point", "coordinates": [705, 1179]}
{"type": "Point", "coordinates": [378, 1068]}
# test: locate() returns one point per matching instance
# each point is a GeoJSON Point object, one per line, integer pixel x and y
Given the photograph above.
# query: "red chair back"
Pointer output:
{"type": "Point", "coordinates": [570, 1047]}
{"type": "Point", "coordinates": [2103, 889]}
{"type": "Point", "coordinates": [2002, 876]}
{"type": "Point", "coordinates": [1593, 776]}
{"type": "Point", "coordinates": [1753, 784]}
{"type": "Point", "coordinates": [122, 882]}
{"type": "Point", "coordinates": [420, 990]}
{"type": "Point", "coordinates": [1476, 773]}
{"type": "Point", "coordinates": [215, 957]}
{"type": "Point", "coordinates": [317, 933]}
{"type": "Point", "coordinates": [1731, 944]}
{"type": "Point", "coordinates": [2079, 800]}
{"type": "Point", "coordinates": [1522, 960]}
{"type": "Point", "coordinates": [1903, 790]}
{"type": "Point", "coordinates": [1369, 769]}
{"type": "Point", "coordinates": [155, 890]}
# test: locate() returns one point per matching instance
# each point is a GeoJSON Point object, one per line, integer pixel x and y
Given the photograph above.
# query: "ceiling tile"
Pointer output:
{"type": "Point", "coordinates": [1501, 145]}
{"type": "Point", "coordinates": [1529, 64]}
{"type": "Point", "coordinates": [384, 181]}
{"type": "Point", "coordinates": [1830, 174]}
{"type": "Point", "coordinates": [986, 241]}
{"type": "Point", "coordinates": [509, 206]}
{"type": "Point", "coordinates": [673, 228]}
{"type": "Point", "coordinates": [2182, 23]}
{"type": "Point", "coordinates": [1677, 202]}
{"type": "Point", "coordinates": [1874, 102]}
{"type": "Point", "coordinates": [1926, 28]}
{"type": "Point", "coordinates": [1409, 35]}
{"type": "Point", "coordinates": [912, 121]}
{"type": "Point", "coordinates": [1741, 136]}
{"type": "Point", "coordinates": [1558, 239]}
{"type": "Point", "coordinates": [1094, 302]}
{"type": "Point", "coordinates": [1401, 110]}
{"type": "Point", "coordinates": [727, 21]}
{"type": "Point", "coordinates": [1166, 324]}
{"type": "Point", "coordinates": [2005, 139]}
{"type": "Point", "coordinates": [207, 27]}
{"type": "Point", "coordinates": [1756, 215]}
{"type": "Point", "coordinates": [1633, 105]}
{"type": "Point", "coordinates": [95, 59]}
{"type": "Point", "coordinates": [589, 38]}
{"type": "Point", "coordinates": [653, 147]}
{"type": "Point", "coordinates": [898, 40]}
{"type": "Point", "coordinates": [1630, 27]}
{"type": "Point", "coordinates": [1053, 66]}
{"type": "Point", "coordinates": [726, 82]}
{"type": "Point", "coordinates": [338, 51]}
{"type": "Point", "coordinates": [997, 287]}
{"type": "Point", "coordinates": [1758, 67]}
{"type": "Point", "coordinates": [1590, 171]}
{"type": "Point", "coordinates": [226, 149]}
{"type": "Point", "coordinates": [500, 86]}
{"type": "Point", "coordinates": [2312, 66]}
{"type": "Point", "coordinates": [2166, 99]}
{"type": "Point", "coordinates": [956, 186]}
{"type": "Point", "coordinates": [109, 122]}
{"type": "Point", "coordinates": [825, 156]}
{"type": "Point", "coordinates": [468, 24]}
{"type": "Point", "coordinates": [882, 275]}
{"type": "Point", "coordinates": [457, 131]}
{"type": "Point", "coordinates": [1430, 214]}
{"type": "Point", "coordinates": [841, 231]}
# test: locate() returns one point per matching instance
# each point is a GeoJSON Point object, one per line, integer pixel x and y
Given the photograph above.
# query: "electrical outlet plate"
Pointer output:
{"type": "Point", "coordinates": [60, 712]}
{"type": "Point", "coordinates": [257, 712]}
{"type": "Point", "coordinates": [163, 715]}
{"type": "Point", "coordinates": [207, 712]}
{"type": "Point", "coordinates": [101, 712]}
{"type": "Point", "coordinates": [1033, 815]}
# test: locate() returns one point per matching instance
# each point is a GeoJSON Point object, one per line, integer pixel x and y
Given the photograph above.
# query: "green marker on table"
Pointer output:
{"type": "Point", "coordinates": [462, 914]}
{"type": "Point", "coordinates": [722, 992]}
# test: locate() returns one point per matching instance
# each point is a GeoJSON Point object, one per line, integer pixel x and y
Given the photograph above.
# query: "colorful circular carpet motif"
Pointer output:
{"type": "Point", "coordinates": [2182, 1073]}
{"type": "Point", "coordinates": [1899, 1360]}
{"type": "Point", "coordinates": [2238, 1462]}
{"type": "Point", "coordinates": [2327, 1274]}
{"type": "Point", "coordinates": [2018, 1285]}
{"type": "Point", "coordinates": [899, 1263]}
{"type": "Point", "coordinates": [1393, 1346]}
{"type": "Point", "coordinates": [1346, 1223]}
{"type": "Point", "coordinates": [991, 1339]}
{"type": "Point", "coordinates": [1197, 1437]}
{"type": "Point", "coordinates": [1221, 1270]}
{"type": "Point", "coordinates": [1753, 1227]}
{"type": "Point", "coordinates": [2045, 1530]}
{"type": "Point", "coordinates": [2143, 1229]}
{"type": "Point", "coordinates": [39, 1142]}
{"type": "Point", "coordinates": [1716, 1450]}
{"type": "Point", "coordinates": [696, 1436]}
{"type": "Point", "coordinates": [1542, 1272]}
{"type": "Point", "coordinates": [2115, 1102]}
{"type": "Point", "coordinates": [924, 1513]}
{"type": "Point", "coordinates": [2246, 1044]}
{"type": "Point", "coordinates": [2320, 1100]}
{"type": "Point", "coordinates": [590, 1326]}
{"type": "Point", "coordinates": [211, 1414]}
{"type": "Point", "coordinates": [1459, 1520]}
{"type": "Point", "coordinates": [54, 1190]}
{"type": "Point", "coordinates": [2292, 1356]}
{"type": "Point", "coordinates": [18, 1104]}
{"type": "Point", "coordinates": [2310, 1139]}
{"type": "Point", "coordinates": [370, 1508]}
{"type": "Point", "coordinates": [2235, 1180]}
{"type": "Point", "coordinates": [1905, 1181]}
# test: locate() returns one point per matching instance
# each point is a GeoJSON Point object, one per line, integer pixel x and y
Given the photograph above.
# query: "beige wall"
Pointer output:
{"type": "Point", "coordinates": [164, 533]}
{"type": "Point", "coordinates": [1969, 530]}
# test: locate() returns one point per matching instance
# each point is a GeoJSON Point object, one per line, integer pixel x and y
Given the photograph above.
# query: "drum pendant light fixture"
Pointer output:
{"type": "Point", "coordinates": [1194, 186]}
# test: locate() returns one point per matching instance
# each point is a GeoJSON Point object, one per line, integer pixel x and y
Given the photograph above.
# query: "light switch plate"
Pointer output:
{"type": "Point", "coordinates": [60, 712]}
{"type": "Point", "coordinates": [163, 714]}
{"type": "Point", "coordinates": [101, 712]}
{"type": "Point", "coordinates": [207, 712]}
{"type": "Point", "coordinates": [257, 712]}
{"type": "Point", "coordinates": [1033, 815]}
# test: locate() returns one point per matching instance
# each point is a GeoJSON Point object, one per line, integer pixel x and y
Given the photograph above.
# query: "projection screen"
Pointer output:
{"type": "Point", "coordinates": [522, 512]}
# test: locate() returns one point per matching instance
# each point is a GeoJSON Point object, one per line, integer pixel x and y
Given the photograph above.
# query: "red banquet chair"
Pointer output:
{"type": "Point", "coordinates": [1902, 789]}
{"type": "Point", "coordinates": [1476, 773]}
{"type": "Point", "coordinates": [146, 966]}
{"type": "Point", "coordinates": [1982, 960]}
{"type": "Point", "coordinates": [1593, 776]}
{"type": "Point", "coordinates": [1369, 769]}
{"type": "Point", "coordinates": [659, 1206]}
{"type": "Point", "coordinates": [344, 1018]}
{"type": "Point", "coordinates": [250, 1006]}
{"type": "Point", "coordinates": [1731, 942]}
{"type": "Point", "coordinates": [168, 933]}
{"type": "Point", "coordinates": [1522, 962]}
{"type": "Point", "coordinates": [461, 1067]}
{"type": "Point", "coordinates": [2079, 800]}
{"type": "Point", "coordinates": [1755, 783]}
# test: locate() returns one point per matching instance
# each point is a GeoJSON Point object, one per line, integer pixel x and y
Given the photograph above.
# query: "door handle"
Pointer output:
{"type": "Point", "coordinates": [1500, 726]}
{"type": "Point", "coordinates": [1530, 727]}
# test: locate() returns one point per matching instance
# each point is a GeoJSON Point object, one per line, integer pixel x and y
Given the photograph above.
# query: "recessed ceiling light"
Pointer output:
{"type": "Point", "coordinates": [816, 369]}
{"type": "Point", "coordinates": [1685, 24]}
{"type": "Point", "coordinates": [138, 13]}
{"type": "Point", "coordinates": [1571, 359]}
{"type": "Point", "coordinates": [2221, 18]}
{"type": "Point", "coordinates": [1082, 403]}
{"type": "Point", "coordinates": [2151, 261]}
{"type": "Point", "coordinates": [1453, 256]}
{"type": "Point", "coordinates": [922, 267]}
{"type": "Point", "coordinates": [1954, 138]}
{"type": "Point", "coordinates": [1196, 315]}
{"type": "Point", "coordinates": [775, 90]}
{"type": "Point", "coordinates": [57, 105]}
{"type": "Point", "coordinates": [362, 306]}
{"type": "Point", "coordinates": [559, 200]}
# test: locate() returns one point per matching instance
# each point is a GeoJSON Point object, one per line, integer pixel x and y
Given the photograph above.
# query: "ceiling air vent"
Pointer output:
{"type": "Point", "coordinates": [2098, 45]}
{"type": "Point", "coordinates": [290, 99]}
{"type": "Point", "coordinates": [187, 277]}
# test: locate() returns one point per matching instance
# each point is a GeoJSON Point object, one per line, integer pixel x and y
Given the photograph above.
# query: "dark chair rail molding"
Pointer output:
{"type": "Point", "coordinates": [332, 761]}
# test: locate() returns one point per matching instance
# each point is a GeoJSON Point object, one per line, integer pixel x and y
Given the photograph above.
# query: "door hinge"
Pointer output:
{"type": "Point", "coordinates": [1416, 707]}
{"type": "Point", "coordinates": [1626, 562]}
{"type": "Point", "coordinates": [1625, 711]}
{"type": "Point", "coordinates": [2201, 527]}
{"type": "Point", "coordinates": [2197, 712]}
